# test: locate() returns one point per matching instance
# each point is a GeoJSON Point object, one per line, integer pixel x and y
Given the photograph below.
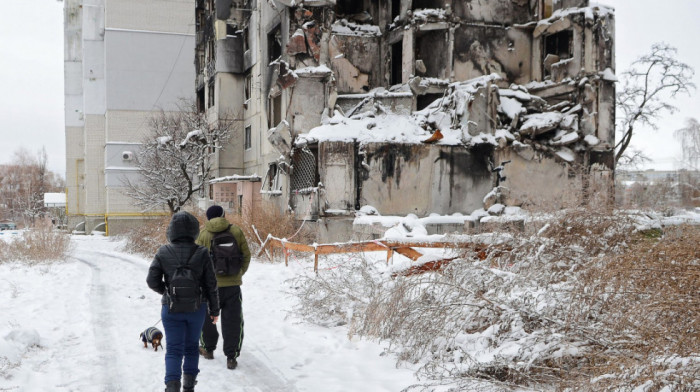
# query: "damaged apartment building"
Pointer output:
{"type": "Point", "coordinates": [406, 106]}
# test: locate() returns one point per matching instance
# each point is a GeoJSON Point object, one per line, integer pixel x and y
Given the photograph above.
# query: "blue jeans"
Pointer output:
{"type": "Point", "coordinates": [182, 331]}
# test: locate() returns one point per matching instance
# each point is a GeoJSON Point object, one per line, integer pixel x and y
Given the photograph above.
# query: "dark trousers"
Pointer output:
{"type": "Point", "coordinates": [181, 342]}
{"type": "Point", "coordinates": [231, 301]}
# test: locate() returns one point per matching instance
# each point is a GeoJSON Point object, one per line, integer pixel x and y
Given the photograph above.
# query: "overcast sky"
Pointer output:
{"type": "Point", "coordinates": [31, 71]}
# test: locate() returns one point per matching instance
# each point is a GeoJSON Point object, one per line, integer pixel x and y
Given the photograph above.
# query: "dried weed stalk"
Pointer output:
{"type": "Point", "coordinates": [39, 245]}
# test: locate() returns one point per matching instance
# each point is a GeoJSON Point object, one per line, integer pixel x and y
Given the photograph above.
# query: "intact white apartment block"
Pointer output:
{"type": "Point", "coordinates": [124, 61]}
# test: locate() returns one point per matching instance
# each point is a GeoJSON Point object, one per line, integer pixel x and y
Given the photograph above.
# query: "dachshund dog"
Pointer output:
{"type": "Point", "coordinates": [152, 335]}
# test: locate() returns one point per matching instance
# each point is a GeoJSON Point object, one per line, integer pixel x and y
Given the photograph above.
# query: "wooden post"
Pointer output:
{"type": "Point", "coordinates": [389, 256]}
{"type": "Point", "coordinates": [286, 256]}
{"type": "Point", "coordinates": [316, 262]}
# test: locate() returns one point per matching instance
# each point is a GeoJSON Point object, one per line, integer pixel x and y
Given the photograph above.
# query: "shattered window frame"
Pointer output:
{"type": "Point", "coordinates": [271, 183]}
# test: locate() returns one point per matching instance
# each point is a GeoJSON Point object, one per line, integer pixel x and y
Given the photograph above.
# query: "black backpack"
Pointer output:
{"type": "Point", "coordinates": [225, 254]}
{"type": "Point", "coordinates": [184, 290]}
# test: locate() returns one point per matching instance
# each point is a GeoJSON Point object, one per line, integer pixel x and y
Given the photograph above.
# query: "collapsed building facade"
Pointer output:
{"type": "Point", "coordinates": [408, 106]}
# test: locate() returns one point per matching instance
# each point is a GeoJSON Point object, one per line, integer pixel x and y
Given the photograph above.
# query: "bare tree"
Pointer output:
{"type": "Point", "coordinates": [650, 83]}
{"type": "Point", "coordinates": [175, 158]}
{"type": "Point", "coordinates": [690, 143]}
{"type": "Point", "coordinates": [23, 183]}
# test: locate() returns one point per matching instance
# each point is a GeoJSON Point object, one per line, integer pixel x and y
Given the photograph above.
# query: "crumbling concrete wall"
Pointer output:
{"type": "Point", "coordinates": [354, 62]}
{"type": "Point", "coordinates": [483, 50]}
{"type": "Point", "coordinates": [505, 12]}
{"type": "Point", "coordinates": [337, 174]}
{"type": "Point", "coordinates": [421, 179]}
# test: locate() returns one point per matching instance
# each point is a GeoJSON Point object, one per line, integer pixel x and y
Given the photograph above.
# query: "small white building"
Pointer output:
{"type": "Point", "coordinates": [55, 200]}
{"type": "Point", "coordinates": [56, 205]}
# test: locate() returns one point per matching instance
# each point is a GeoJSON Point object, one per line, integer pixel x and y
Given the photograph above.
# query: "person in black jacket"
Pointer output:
{"type": "Point", "coordinates": [182, 330]}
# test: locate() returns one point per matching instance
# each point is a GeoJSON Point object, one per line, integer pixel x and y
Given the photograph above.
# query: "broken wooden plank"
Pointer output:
{"type": "Point", "coordinates": [409, 252]}
{"type": "Point", "coordinates": [353, 247]}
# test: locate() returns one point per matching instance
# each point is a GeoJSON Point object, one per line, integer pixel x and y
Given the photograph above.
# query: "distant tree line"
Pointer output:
{"type": "Point", "coordinates": [23, 182]}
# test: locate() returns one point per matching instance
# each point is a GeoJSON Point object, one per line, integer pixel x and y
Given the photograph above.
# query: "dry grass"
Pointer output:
{"type": "Point", "coordinates": [39, 245]}
{"type": "Point", "coordinates": [271, 221]}
{"type": "Point", "coordinates": [148, 237]}
{"type": "Point", "coordinates": [646, 308]}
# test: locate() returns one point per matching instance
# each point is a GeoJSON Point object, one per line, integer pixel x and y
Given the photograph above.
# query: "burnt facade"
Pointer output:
{"type": "Point", "coordinates": [409, 106]}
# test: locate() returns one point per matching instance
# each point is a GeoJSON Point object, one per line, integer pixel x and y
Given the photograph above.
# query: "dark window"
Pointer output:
{"type": "Point", "coordinates": [423, 101]}
{"type": "Point", "coordinates": [396, 63]}
{"type": "Point", "coordinates": [274, 44]}
{"type": "Point", "coordinates": [395, 9]}
{"type": "Point", "coordinates": [559, 44]}
{"type": "Point", "coordinates": [349, 7]}
{"type": "Point", "coordinates": [200, 100]}
{"type": "Point", "coordinates": [240, 204]}
{"type": "Point", "coordinates": [248, 142]}
{"type": "Point", "coordinates": [246, 45]}
{"type": "Point", "coordinates": [211, 94]}
{"type": "Point", "coordinates": [248, 86]}
{"type": "Point", "coordinates": [423, 4]}
{"type": "Point", "coordinates": [272, 179]}
{"type": "Point", "coordinates": [274, 111]}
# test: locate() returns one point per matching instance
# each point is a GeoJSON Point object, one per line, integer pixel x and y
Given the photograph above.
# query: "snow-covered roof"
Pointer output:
{"type": "Point", "coordinates": [235, 178]}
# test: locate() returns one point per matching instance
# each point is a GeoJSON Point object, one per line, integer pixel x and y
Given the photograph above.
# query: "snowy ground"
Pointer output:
{"type": "Point", "coordinates": [74, 326]}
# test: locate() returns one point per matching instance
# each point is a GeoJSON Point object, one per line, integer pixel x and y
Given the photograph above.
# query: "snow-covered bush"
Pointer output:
{"type": "Point", "coordinates": [582, 303]}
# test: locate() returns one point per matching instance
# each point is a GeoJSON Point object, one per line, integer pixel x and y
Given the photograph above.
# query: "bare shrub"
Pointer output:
{"type": "Point", "coordinates": [645, 308]}
{"type": "Point", "coordinates": [583, 303]}
{"type": "Point", "coordinates": [39, 245]}
{"type": "Point", "coordinates": [147, 237]}
{"type": "Point", "coordinates": [271, 221]}
{"type": "Point", "coordinates": [338, 295]}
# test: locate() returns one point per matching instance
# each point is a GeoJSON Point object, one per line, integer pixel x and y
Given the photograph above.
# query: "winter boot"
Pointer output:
{"type": "Point", "coordinates": [206, 353]}
{"type": "Point", "coordinates": [188, 382]}
{"type": "Point", "coordinates": [172, 386]}
{"type": "Point", "coordinates": [231, 363]}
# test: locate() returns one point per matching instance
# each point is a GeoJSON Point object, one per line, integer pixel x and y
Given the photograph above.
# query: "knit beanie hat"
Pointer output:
{"type": "Point", "coordinates": [214, 212]}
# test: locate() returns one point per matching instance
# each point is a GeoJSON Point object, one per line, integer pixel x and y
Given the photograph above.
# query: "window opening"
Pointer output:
{"type": "Point", "coordinates": [274, 112]}
{"type": "Point", "coordinates": [211, 100]}
{"type": "Point", "coordinates": [248, 86]}
{"type": "Point", "coordinates": [349, 7]}
{"type": "Point", "coordinates": [396, 63]}
{"type": "Point", "coordinates": [271, 183]}
{"type": "Point", "coordinates": [248, 142]}
{"type": "Point", "coordinates": [557, 47]}
{"type": "Point", "coordinates": [423, 101]}
{"type": "Point", "coordinates": [200, 100]}
{"type": "Point", "coordinates": [423, 4]}
{"type": "Point", "coordinates": [559, 44]}
{"type": "Point", "coordinates": [274, 44]}
{"type": "Point", "coordinates": [395, 9]}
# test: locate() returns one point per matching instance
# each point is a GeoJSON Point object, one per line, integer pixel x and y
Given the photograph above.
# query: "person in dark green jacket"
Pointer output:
{"type": "Point", "coordinates": [230, 298]}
